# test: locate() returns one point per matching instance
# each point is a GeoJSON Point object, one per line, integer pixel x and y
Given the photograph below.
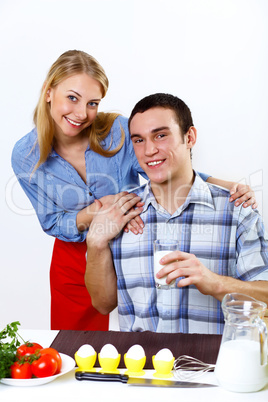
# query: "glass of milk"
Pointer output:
{"type": "Point", "coordinates": [163, 247]}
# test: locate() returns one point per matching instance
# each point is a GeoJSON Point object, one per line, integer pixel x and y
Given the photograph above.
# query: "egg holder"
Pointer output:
{"type": "Point", "coordinates": [163, 369]}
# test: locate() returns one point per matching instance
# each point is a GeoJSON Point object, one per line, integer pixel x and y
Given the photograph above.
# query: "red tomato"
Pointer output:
{"type": "Point", "coordinates": [54, 353]}
{"type": "Point", "coordinates": [45, 366]}
{"type": "Point", "coordinates": [28, 349]}
{"type": "Point", "coordinates": [21, 371]}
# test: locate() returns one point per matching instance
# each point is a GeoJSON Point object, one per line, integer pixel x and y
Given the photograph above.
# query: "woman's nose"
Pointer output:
{"type": "Point", "coordinates": [81, 112]}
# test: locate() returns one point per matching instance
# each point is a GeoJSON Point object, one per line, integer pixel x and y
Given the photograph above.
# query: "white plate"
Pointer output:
{"type": "Point", "coordinates": [68, 364]}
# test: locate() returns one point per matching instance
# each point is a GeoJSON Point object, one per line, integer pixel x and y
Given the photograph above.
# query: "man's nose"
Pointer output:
{"type": "Point", "coordinates": [150, 148]}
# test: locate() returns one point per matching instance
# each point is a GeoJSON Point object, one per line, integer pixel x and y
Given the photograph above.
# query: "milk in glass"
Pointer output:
{"type": "Point", "coordinates": [162, 248]}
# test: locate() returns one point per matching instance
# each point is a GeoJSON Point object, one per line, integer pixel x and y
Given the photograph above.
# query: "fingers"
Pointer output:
{"type": "Point", "coordinates": [127, 202]}
{"type": "Point", "coordinates": [110, 199]}
{"type": "Point", "coordinates": [175, 256]}
{"type": "Point", "coordinates": [251, 202]}
{"type": "Point", "coordinates": [243, 198]}
{"type": "Point", "coordinates": [180, 264]}
{"type": "Point", "coordinates": [98, 204]}
{"type": "Point", "coordinates": [113, 216]}
{"type": "Point", "coordinates": [131, 215]}
{"type": "Point", "coordinates": [140, 204]}
{"type": "Point", "coordinates": [255, 205]}
{"type": "Point", "coordinates": [190, 271]}
{"type": "Point", "coordinates": [239, 191]}
{"type": "Point", "coordinates": [135, 225]}
{"type": "Point", "coordinates": [175, 270]}
{"type": "Point", "coordinates": [243, 194]}
{"type": "Point", "coordinates": [233, 190]}
{"type": "Point", "coordinates": [118, 196]}
{"type": "Point", "coordinates": [123, 201]}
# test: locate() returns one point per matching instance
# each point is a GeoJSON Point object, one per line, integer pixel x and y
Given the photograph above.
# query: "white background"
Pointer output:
{"type": "Point", "coordinates": [211, 53]}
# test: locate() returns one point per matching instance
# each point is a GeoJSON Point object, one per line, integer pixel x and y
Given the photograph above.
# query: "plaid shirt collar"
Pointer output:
{"type": "Point", "coordinates": [198, 194]}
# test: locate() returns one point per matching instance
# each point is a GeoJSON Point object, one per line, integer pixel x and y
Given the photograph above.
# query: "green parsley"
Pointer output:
{"type": "Point", "coordinates": [8, 349]}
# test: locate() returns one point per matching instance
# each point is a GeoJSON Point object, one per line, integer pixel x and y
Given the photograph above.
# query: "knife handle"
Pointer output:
{"type": "Point", "coordinates": [88, 375]}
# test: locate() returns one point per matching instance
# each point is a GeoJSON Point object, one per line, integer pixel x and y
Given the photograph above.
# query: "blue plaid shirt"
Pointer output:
{"type": "Point", "coordinates": [228, 240]}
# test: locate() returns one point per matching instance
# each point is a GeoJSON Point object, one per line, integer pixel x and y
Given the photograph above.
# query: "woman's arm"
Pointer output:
{"type": "Point", "coordinates": [240, 193]}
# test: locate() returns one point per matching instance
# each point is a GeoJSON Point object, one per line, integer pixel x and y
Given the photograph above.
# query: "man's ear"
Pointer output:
{"type": "Point", "coordinates": [191, 137]}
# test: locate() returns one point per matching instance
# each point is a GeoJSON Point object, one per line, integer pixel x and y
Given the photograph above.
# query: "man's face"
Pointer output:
{"type": "Point", "coordinates": [161, 150]}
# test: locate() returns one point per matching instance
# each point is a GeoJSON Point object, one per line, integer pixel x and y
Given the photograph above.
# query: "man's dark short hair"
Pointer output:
{"type": "Point", "coordinates": [167, 101]}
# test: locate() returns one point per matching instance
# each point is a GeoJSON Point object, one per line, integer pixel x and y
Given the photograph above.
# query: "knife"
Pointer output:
{"type": "Point", "coordinates": [97, 376]}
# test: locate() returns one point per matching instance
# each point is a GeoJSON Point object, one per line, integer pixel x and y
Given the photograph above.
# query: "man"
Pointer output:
{"type": "Point", "coordinates": [223, 248]}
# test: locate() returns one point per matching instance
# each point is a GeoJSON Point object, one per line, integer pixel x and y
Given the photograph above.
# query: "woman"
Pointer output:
{"type": "Point", "coordinates": [73, 156]}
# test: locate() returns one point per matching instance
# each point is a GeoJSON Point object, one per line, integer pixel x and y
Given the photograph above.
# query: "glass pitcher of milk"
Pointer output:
{"type": "Point", "coordinates": [242, 360]}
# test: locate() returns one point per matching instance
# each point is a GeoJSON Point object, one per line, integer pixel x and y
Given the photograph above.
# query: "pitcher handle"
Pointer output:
{"type": "Point", "coordinates": [263, 340]}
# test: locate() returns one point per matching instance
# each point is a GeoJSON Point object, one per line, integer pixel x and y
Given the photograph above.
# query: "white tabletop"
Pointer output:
{"type": "Point", "coordinates": [69, 389]}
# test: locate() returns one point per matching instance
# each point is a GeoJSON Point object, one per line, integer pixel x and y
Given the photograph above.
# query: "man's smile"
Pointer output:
{"type": "Point", "coordinates": [156, 162]}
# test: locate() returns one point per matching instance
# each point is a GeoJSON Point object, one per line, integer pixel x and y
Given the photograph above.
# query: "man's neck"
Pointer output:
{"type": "Point", "coordinates": [172, 194]}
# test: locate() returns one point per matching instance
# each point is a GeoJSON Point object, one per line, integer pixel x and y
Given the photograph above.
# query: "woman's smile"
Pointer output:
{"type": "Point", "coordinates": [72, 122]}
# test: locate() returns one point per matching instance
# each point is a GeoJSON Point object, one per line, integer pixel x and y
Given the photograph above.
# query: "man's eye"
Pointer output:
{"type": "Point", "coordinates": [138, 141]}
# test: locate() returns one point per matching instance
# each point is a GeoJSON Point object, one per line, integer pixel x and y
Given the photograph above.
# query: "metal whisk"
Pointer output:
{"type": "Point", "coordinates": [187, 367]}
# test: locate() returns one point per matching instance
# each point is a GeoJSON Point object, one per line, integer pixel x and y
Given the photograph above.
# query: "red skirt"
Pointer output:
{"type": "Point", "coordinates": [71, 306]}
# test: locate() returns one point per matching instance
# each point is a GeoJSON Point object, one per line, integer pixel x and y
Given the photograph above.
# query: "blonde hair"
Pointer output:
{"type": "Point", "coordinates": [70, 63]}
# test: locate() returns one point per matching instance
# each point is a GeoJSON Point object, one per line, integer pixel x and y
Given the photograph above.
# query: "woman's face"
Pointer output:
{"type": "Point", "coordinates": [74, 104]}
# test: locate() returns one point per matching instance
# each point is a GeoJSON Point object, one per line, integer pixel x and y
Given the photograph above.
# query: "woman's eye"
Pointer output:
{"type": "Point", "coordinates": [72, 98]}
{"type": "Point", "coordinates": [93, 104]}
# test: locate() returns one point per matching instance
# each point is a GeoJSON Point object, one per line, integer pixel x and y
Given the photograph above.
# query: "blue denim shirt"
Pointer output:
{"type": "Point", "coordinates": [56, 190]}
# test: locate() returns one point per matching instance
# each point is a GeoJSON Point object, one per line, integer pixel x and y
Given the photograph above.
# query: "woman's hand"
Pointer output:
{"type": "Point", "coordinates": [242, 193]}
{"type": "Point", "coordinates": [136, 225]}
{"type": "Point", "coordinates": [113, 215]}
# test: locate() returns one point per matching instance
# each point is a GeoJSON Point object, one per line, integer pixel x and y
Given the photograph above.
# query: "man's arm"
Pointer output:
{"type": "Point", "coordinates": [100, 277]}
{"type": "Point", "coordinates": [187, 265]}
{"type": "Point", "coordinates": [252, 255]}
{"type": "Point", "coordinates": [256, 289]}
